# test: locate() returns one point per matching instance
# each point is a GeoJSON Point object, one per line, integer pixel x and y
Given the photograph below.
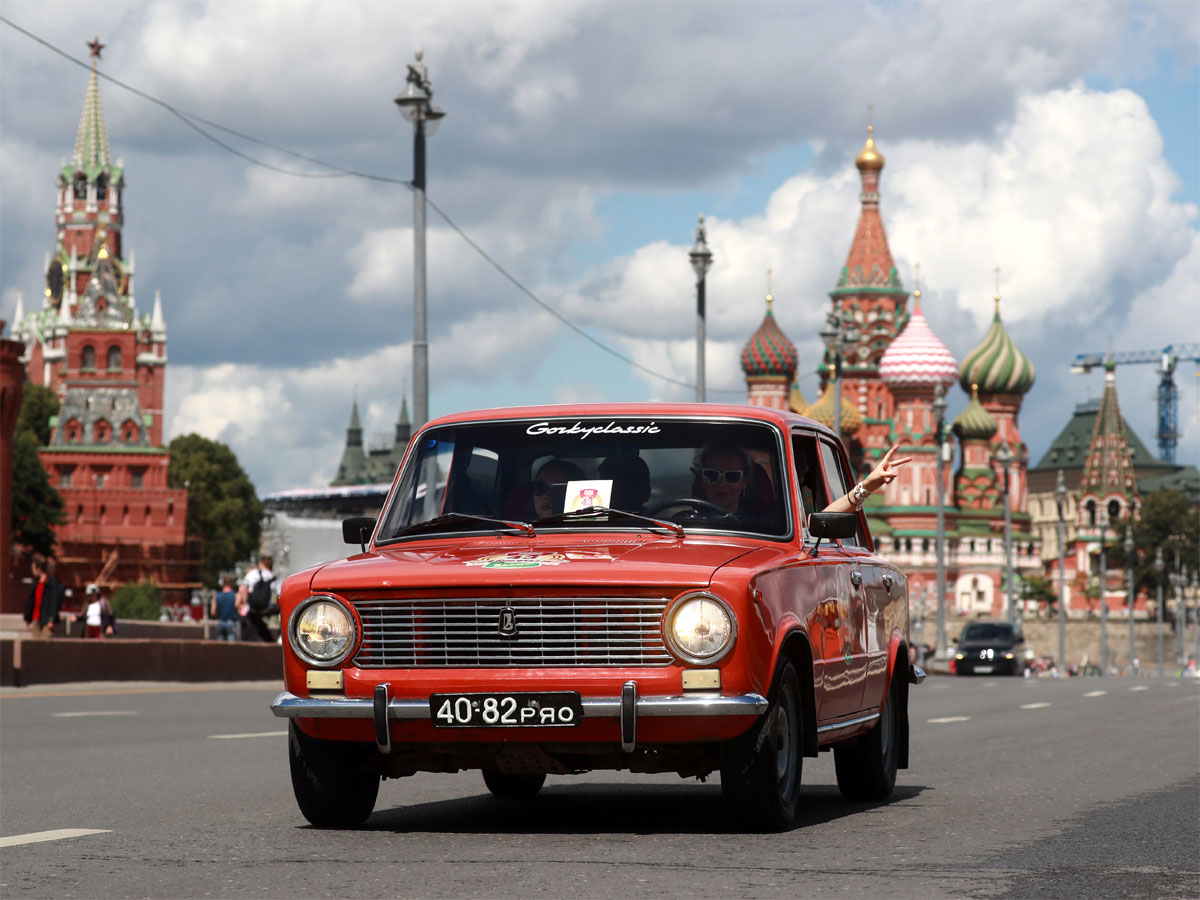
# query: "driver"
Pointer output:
{"type": "Point", "coordinates": [722, 477]}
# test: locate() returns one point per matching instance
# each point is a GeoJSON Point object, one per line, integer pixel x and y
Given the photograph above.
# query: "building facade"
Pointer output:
{"type": "Point", "coordinates": [106, 361]}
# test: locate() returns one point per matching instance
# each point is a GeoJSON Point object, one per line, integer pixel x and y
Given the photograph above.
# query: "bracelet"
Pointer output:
{"type": "Point", "coordinates": [859, 494]}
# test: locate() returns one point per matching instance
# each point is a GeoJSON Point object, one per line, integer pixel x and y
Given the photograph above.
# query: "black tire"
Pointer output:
{"type": "Point", "coordinates": [866, 768]}
{"type": "Point", "coordinates": [512, 787]}
{"type": "Point", "coordinates": [761, 769]}
{"type": "Point", "coordinates": [333, 787]}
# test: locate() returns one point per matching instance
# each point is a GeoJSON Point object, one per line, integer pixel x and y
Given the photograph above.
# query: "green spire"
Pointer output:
{"type": "Point", "coordinates": [91, 141]}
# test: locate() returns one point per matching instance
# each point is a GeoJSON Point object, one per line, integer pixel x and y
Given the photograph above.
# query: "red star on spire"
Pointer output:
{"type": "Point", "coordinates": [94, 47]}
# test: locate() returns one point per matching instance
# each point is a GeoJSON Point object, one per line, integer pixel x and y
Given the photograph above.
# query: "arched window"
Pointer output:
{"type": "Point", "coordinates": [73, 431]}
{"type": "Point", "coordinates": [102, 433]}
{"type": "Point", "coordinates": [102, 187]}
{"type": "Point", "coordinates": [87, 358]}
{"type": "Point", "coordinates": [129, 433]}
{"type": "Point", "coordinates": [114, 357]}
{"type": "Point", "coordinates": [80, 183]}
{"type": "Point", "coordinates": [1091, 512]}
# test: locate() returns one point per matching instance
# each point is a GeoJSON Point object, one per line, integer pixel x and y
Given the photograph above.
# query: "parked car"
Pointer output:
{"type": "Point", "coordinates": [630, 586]}
{"type": "Point", "coordinates": [991, 648]}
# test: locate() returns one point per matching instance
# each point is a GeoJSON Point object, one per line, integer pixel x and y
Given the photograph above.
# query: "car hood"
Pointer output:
{"type": "Point", "coordinates": [586, 561]}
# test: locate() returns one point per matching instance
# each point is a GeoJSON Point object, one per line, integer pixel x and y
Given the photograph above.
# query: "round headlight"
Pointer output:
{"type": "Point", "coordinates": [323, 632]}
{"type": "Point", "coordinates": [701, 628]}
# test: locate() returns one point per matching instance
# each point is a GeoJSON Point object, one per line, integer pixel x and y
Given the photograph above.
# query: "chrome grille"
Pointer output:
{"type": "Point", "coordinates": [550, 631]}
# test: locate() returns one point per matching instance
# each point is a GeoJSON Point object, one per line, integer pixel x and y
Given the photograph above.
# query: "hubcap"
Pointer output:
{"type": "Point", "coordinates": [783, 725]}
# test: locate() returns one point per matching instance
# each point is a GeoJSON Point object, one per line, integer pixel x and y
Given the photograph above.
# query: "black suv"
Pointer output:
{"type": "Point", "coordinates": [990, 648]}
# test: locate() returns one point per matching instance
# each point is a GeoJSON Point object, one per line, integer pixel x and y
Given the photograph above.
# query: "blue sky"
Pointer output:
{"type": "Point", "coordinates": [1058, 141]}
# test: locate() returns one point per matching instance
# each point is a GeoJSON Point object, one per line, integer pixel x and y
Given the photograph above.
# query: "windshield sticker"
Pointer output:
{"type": "Point", "coordinates": [532, 559]}
{"type": "Point", "coordinates": [586, 431]}
{"type": "Point", "coordinates": [585, 494]}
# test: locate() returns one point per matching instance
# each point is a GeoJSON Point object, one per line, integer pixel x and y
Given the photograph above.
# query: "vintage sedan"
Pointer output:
{"type": "Point", "coordinates": [650, 587]}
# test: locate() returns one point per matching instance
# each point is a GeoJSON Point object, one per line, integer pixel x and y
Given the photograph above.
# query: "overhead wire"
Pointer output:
{"type": "Point", "coordinates": [191, 120]}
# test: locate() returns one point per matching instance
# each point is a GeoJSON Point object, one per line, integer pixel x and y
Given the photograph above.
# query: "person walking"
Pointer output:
{"type": "Point", "coordinates": [99, 619]}
{"type": "Point", "coordinates": [224, 609]}
{"type": "Point", "coordinates": [41, 609]}
{"type": "Point", "coordinates": [258, 591]}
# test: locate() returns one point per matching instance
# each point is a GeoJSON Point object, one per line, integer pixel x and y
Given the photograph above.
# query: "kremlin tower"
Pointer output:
{"type": "Point", "coordinates": [106, 361]}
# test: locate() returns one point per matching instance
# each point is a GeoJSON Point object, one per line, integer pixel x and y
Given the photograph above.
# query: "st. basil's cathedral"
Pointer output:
{"type": "Point", "coordinates": [889, 379]}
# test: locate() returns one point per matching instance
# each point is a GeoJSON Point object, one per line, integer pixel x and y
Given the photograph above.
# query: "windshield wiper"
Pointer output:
{"type": "Point", "coordinates": [439, 522]}
{"type": "Point", "coordinates": [590, 511]}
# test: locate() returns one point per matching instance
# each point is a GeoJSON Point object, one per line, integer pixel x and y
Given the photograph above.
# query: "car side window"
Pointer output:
{"type": "Point", "coordinates": [813, 494]}
{"type": "Point", "coordinates": [836, 479]}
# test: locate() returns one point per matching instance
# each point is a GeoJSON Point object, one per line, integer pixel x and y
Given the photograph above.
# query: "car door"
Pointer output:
{"type": "Point", "coordinates": [836, 635]}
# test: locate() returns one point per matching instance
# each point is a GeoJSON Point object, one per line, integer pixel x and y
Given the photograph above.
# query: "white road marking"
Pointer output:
{"type": "Point", "coordinates": [58, 834]}
{"type": "Point", "coordinates": [1034, 705]}
{"type": "Point", "coordinates": [1095, 693]}
{"type": "Point", "coordinates": [1140, 687]}
{"type": "Point", "coordinates": [96, 712]}
{"type": "Point", "coordinates": [948, 719]}
{"type": "Point", "coordinates": [256, 734]}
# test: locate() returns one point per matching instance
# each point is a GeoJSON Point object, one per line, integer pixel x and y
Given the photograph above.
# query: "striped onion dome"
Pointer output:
{"type": "Point", "coordinates": [822, 410]}
{"type": "Point", "coordinates": [769, 352]}
{"type": "Point", "coordinates": [997, 365]}
{"type": "Point", "coordinates": [917, 357]}
{"type": "Point", "coordinates": [974, 423]}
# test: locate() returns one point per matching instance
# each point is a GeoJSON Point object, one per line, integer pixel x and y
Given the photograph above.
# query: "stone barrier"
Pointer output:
{"type": "Point", "coordinates": [27, 662]}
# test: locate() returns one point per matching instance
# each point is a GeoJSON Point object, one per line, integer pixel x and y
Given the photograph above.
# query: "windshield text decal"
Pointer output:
{"type": "Point", "coordinates": [586, 431]}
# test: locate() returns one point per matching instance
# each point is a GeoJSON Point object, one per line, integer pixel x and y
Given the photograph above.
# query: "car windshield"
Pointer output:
{"type": "Point", "coordinates": [703, 474]}
{"type": "Point", "coordinates": [987, 631]}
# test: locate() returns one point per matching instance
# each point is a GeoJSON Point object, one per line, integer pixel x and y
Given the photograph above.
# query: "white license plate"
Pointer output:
{"type": "Point", "coordinates": [510, 710]}
{"type": "Point", "coordinates": [984, 670]}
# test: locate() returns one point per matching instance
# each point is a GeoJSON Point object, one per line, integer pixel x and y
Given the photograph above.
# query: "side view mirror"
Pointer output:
{"type": "Point", "coordinates": [357, 530]}
{"type": "Point", "coordinates": [833, 524]}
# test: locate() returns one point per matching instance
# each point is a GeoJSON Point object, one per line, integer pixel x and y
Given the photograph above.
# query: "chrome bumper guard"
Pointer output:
{"type": "Point", "coordinates": [287, 705]}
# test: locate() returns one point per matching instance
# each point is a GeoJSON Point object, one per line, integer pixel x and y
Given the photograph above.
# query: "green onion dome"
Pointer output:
{"type": "Point", "coordinates": [822, 410]}
{"type": "Point", "coordinates": [997, 366]}
{"type": "Point", "coordinates": [769, 352]}
{"type": "Point", "coordinates": [974, 423]}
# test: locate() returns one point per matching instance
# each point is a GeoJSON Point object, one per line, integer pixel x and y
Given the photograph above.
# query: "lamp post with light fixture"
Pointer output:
{"type": "Point", "coordinates": [939, 416]}
{"type": "Point", "coordinates": [416, 105]}
{"type": "Point", "coordinates": [701, 258]}
{"type": "Point", "coordinates": [1158, 577]}
{"type": "Point", "coordinates": [1060, 498]}
{"type": "Point", "coordinates": [838, 333]}
{"type": "Point", "coordinates": [1128, 545]}
{"type": "Point", "coordinates": [1004, 456]}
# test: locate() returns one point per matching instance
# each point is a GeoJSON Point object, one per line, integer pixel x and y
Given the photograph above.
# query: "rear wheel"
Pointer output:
{"type": "Point", "coordinates": [512, 787]}
{"type": "Point", "coordinates": [760, 770]}
{"type": "Point", "coordinates": [866, 768]}
{"type": "Point", "coordinates": [333, 787]}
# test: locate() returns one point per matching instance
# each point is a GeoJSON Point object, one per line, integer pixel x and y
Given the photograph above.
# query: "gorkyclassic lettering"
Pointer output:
{"type": "Point", "coordinates": [586, 431]}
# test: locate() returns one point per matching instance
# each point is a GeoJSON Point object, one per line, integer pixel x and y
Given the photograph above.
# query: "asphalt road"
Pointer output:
{"type": "Point", "coordinates": [1080, 788]}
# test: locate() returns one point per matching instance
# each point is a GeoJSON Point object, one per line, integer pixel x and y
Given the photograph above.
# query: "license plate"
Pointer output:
{"type": "Point", "coordinates": [535, 709]}
{"type": "Point", "coordinates": [984, 670]}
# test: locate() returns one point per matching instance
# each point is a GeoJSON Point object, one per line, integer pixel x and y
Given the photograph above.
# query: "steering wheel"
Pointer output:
{"type": "Point", "coordinates": [696, 505]}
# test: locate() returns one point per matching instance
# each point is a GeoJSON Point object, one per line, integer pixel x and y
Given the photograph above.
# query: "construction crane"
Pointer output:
{"type": "Point", "coordinates": [1168, 395]}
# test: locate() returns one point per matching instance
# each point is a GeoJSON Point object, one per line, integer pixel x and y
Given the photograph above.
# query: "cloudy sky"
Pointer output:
{"type": "Point", "coordinates": [1058, 141]}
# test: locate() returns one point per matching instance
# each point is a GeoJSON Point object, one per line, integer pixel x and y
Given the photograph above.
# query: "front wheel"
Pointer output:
{"type": "Point", "coordinates": [866, 768]}
{"type": "Point", "coordinates": [512, 787]}
{"type": "Point", "coordinates": [760, 770]}
{"type": "Point", "coordinates": [333, 787]}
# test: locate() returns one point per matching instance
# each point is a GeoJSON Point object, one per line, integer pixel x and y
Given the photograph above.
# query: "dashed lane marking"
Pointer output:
{"type": "Point", "coordinates": [945, 720]}
{"type": "Point", "coordinates": [256, 734]}
{"type": "Point", "coordinates": [1139, 687]}
{"type": "Point", "coordinates": [1095, 693]}
{"type": "Point", "coordinates": [1034, 705]}
{"type": "Point", "coordinates": [96, 712]}
{"type": "Point", "coordinates": [58, 834]}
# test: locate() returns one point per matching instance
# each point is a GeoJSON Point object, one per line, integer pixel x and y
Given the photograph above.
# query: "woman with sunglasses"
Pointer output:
{"type": "Point", "coordinates": [723, 475]}
{"type": "Point", "coordinates": [553, 472]}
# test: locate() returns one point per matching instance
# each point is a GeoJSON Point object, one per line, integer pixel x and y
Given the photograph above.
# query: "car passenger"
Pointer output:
{"type": "Point", "coordinates": [730, 480]}
{"type": "Point", "coordinates": [554, 473]}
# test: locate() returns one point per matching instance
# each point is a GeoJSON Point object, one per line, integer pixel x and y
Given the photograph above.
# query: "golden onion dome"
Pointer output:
{"type": "Point", "coordinates": [869, 159]}
{"type": "Point", "coordinates": [822, 410]}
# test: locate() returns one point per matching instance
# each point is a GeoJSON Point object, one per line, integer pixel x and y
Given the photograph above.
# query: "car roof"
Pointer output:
{"type": "Point", "coordinates": [782, 418]}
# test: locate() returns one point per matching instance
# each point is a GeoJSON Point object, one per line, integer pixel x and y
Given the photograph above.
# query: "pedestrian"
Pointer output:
{"type": "Point", "coordinates": [224, 609]}
{"type": "Point", "coordinates": [41, 609]}
{"type": "Point", "coordinates": [98, 618]}
{"type": "Point", "coordinates": [258, 591]}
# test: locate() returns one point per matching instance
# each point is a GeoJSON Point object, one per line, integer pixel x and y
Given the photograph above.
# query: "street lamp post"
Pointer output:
{"type": "Point", "coordinates": [416, 105]}
{"type": "Point", "coordinates": [701, 258]}
{"type": "Point", "coordinates": [1060, 497]}
{"type": "Point", "coordinates": [1103, 599]}
{"type": "Point", "coordinates": [939, 413]}
{"type": "Point", "coordinates": [1196, 626]}
{"type": "Point", "coordinates": [1129, 570]}
{"type": "Point", "coordinates": [838, 332]}
{"type": "Point", "coordinates": [1180, 608]}
{"type": "Point", "coordinates": [1158, 576]}
{"type": "Point", "coordinates": [1004, 456]}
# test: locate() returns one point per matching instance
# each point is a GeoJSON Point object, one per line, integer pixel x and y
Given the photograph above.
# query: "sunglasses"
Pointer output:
{"type": "Point", "coordinates": [731, 476]}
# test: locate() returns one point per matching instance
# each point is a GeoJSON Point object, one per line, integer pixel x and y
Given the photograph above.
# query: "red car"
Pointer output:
{"type": "Point", "coordinates": [650, 587]}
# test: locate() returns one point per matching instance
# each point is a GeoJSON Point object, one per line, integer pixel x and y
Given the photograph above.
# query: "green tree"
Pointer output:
{"type": "Point", "coordinates": [37, 506]}
{"type": "Point", "coordinates": [1041, 591]}
{"type": "Point", "coordinates": [38, 405]}
{"type": "Point", "coordinates": [223, 509]}
{"type": "Point", "coordinates": [1165, 521]}
{"type": "Point", "coordinates": [137, 600]}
